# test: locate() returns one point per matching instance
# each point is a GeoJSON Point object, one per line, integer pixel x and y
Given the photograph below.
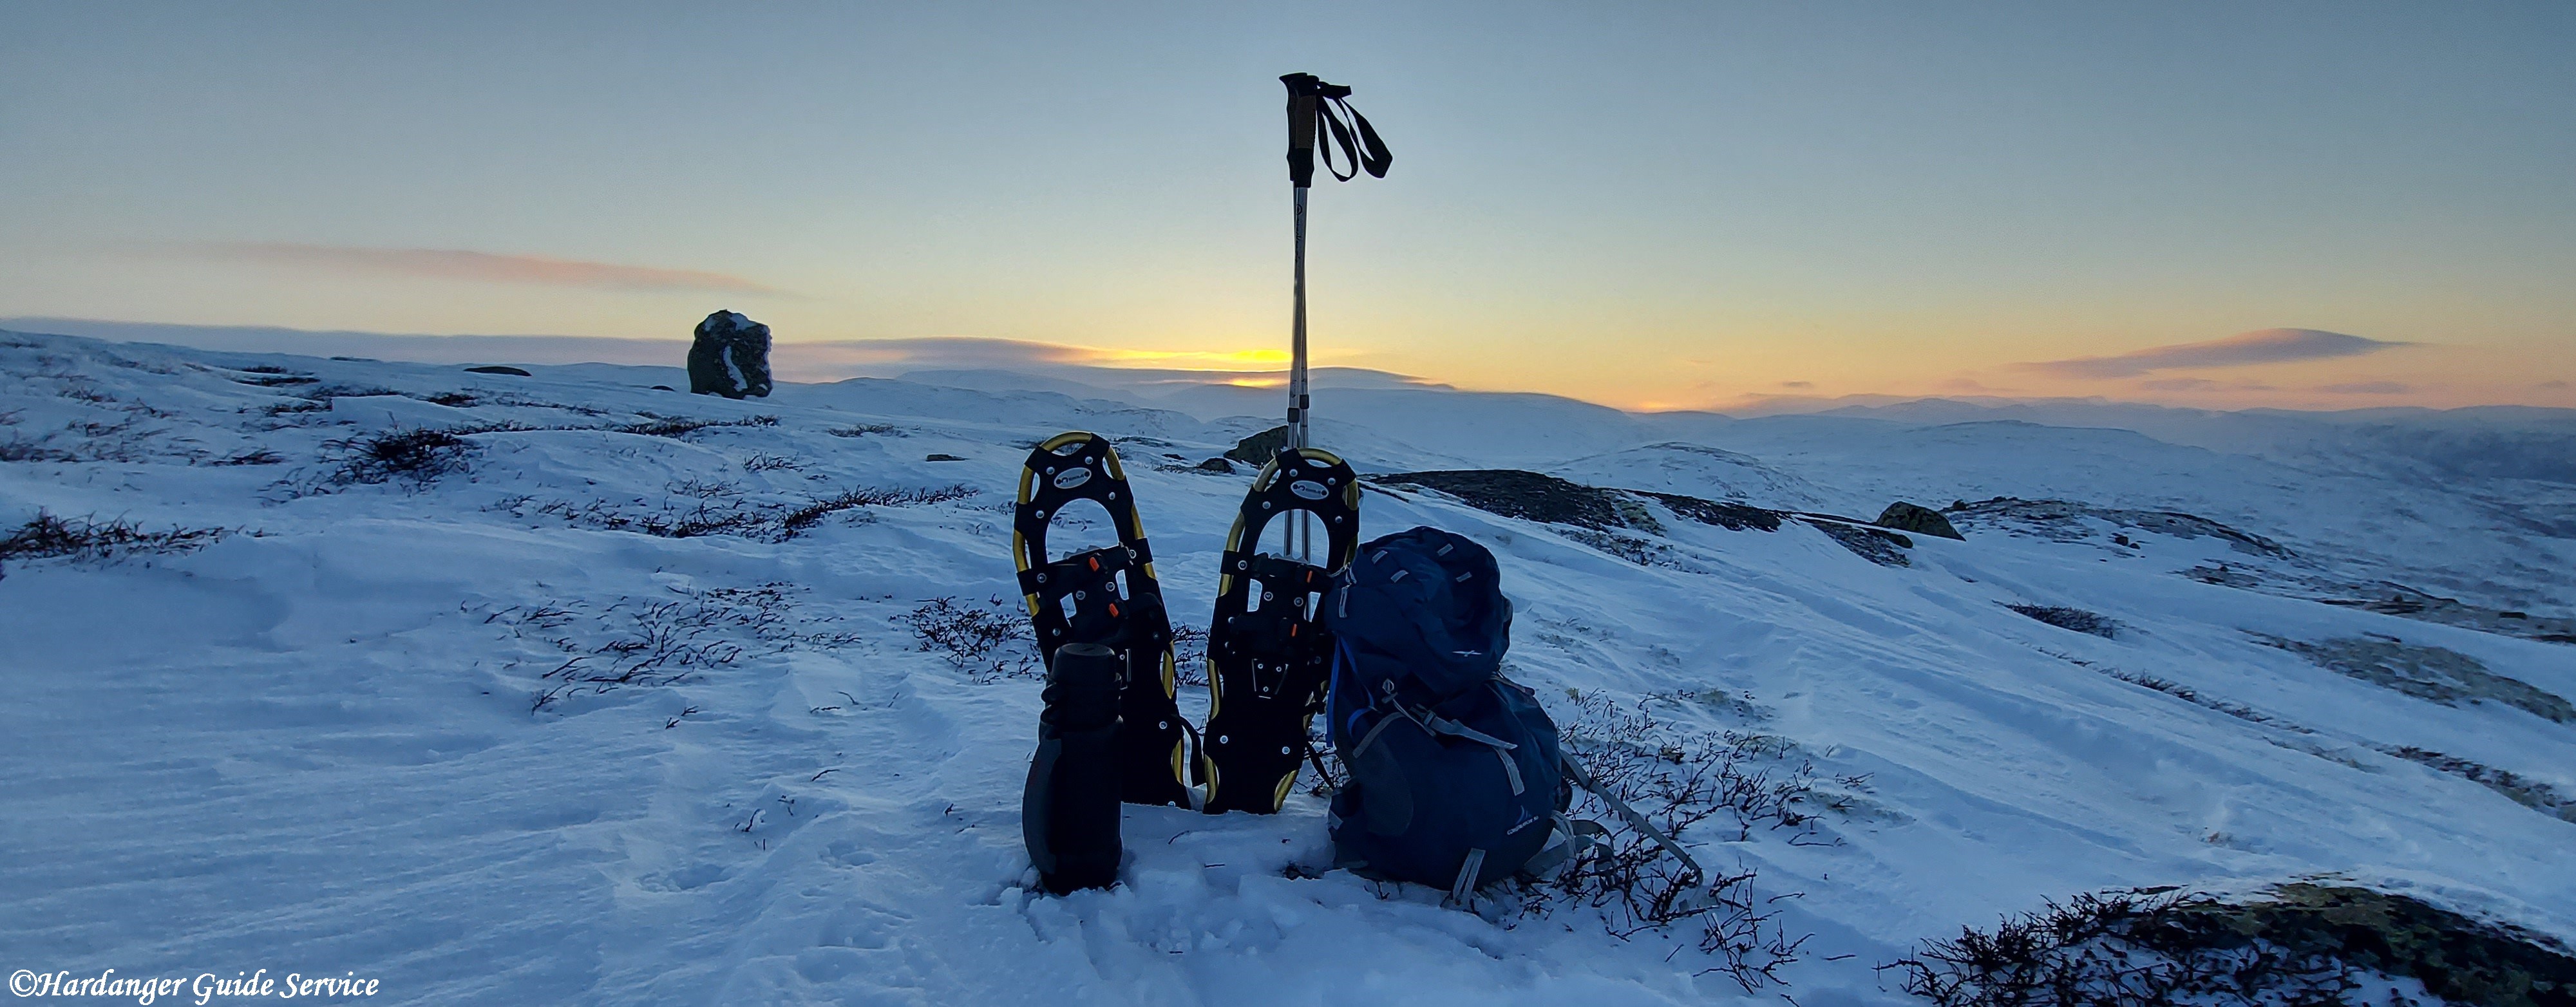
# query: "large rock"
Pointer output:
{"type": "Point", "coordinates": [1904, 516]}
{"type": "Point", "coordinates": [730, 357]}
{"type": "Point", "coordinates": [1260, 448]}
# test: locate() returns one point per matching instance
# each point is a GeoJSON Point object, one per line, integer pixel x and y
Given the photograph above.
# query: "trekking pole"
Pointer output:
{"type": "Point", "coordinates": [1315, 107]}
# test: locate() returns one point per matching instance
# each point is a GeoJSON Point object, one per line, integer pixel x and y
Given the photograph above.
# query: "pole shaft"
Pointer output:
{"type": "Point", "coordinates": [1303, 545]}
{"type": "Point", "coordinates": [1297, 338]}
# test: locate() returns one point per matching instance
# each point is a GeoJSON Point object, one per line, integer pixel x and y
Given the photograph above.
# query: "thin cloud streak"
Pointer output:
{"type": "Point", "coordinates": [2263, 346]}
{"type": "Point", "coordinates": [814, 360]}
{"type": "Point", "coordinates": [487, 267]}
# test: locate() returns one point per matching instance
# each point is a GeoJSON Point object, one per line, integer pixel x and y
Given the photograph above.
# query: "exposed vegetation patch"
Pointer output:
{"type": "Point", "coordinates": [267, 376]}
{"type": "Point", "coordinates": [797, 521]}
{"type": "Point", "coordinates": [1642, 550]}
{"type": "Point", "coordinates": [2524, 790]}
{"type": "Point", "coordinates": [2187, 694]}
{"type": "Point", "coordinates": [2410, 603]}
{"type": "Point", "coordinates": [2442, 676]}
{"type": "Point", "coordinates": [673, 519]}
{"type": "Point", "coordinates": [2076, 619]}
{"type": "Point", "coordinates": [322, 395]}
{"type": "Point", "coordinates": [1877, 545]}
{"type": "Point", "coordinates": [122, 439]}
{"type": "Point", "coordinates": [674, 426]}
{"type": "Point", "coordinates": [1730, 516]}
{"type": "Point", "coordinates": [865, 429]}
{"type": "Point", "coordinates": [697, 508]}
{"type": "Point", "coordinates": [254, 456]}
{"type": "Point", "coordinates": [290, 407]}
{"type": "Point", "coordinates": [2530, 793]}
{"type": "Point", "coordinates": [2298, 944]}
{"type": "Point", "coordinates": [1681, 781]}
{"type": "Point", "coordinates": [986, 642]}
{"type": "Point", "coordinates": [652, 642]}
{"type": "Point", "coordinates": [1528, 496]}
{"type": "Point", "coordinates": [1755, 781]}
{"type": "Point", "coordinates": [87, 539]}
{"type": "Point", "coordinates": [2063, 520]}
{"type": "Point", "coordinates": [21, 449]}
{"type": "Point", "coordinates": [1610, 516]}
{"type": "Point", "coordinates": [417, 457]}
{"type": "Point", "coordinates": [1189, 659]}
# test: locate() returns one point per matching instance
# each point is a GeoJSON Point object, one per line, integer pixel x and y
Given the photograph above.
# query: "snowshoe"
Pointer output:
{"type": "Point", "coordinates": [1268, 656]}
{"type": "Point", "coordinates": [1106, 596]}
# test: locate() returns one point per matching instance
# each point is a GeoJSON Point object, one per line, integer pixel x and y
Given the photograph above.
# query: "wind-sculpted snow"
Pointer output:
{"type": "Point", "coordinates": [1695, 470]}
{"type": "Point", "coordinates": [2065, 521]}
{"type": "Point", "coordinates": [609, 694]}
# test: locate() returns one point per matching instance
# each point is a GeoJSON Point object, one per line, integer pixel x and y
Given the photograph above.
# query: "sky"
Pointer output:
{"type": "Point", "coordinates": [1654, 206]}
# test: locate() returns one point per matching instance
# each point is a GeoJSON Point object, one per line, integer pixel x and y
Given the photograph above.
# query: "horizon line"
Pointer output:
{"type": "Point", "coordinates": [1033, 358]}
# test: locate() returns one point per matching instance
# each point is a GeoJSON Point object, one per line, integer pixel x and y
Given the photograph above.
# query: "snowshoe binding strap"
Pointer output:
{"type": "Point", "coordinates": [1080, 600]}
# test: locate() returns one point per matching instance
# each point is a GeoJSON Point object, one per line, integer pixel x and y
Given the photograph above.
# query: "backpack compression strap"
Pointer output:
{"type": "Point", "coordinates": [1575, 771]}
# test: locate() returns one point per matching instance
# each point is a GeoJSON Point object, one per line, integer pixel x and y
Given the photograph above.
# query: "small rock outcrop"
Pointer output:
{"type": "Point", "coordinates": [2076, 619]}
{"type": "Point", "coordinates": [1260, 448]}
{"type": "Point", "coordinates": [1877, 545]}
{"type": "Point", "coordinates": [1730, 516]}
{"type": "Point", "coordinates": [498, 369]}
{"type": "Point", "coordinates": [730, 357]}
{"type": "Point", "coordinates": [1517, 494]}
{"type": "Point", "coordinates": [1611, 517]}
{"type": "Point", "coordinates": [1920, 520]}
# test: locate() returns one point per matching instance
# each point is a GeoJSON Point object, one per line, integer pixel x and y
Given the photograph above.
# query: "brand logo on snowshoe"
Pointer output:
{"type": "Point", "coordinates": [1309, 489]}
{"type": "Point", "coordinates": [1072, 478]}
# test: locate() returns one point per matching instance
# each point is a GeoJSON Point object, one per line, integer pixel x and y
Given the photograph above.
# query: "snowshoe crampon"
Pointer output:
{"type": "Point", "coordinates": [1268, 657]}
{"type": "Point", "coordinates": [1106, 596]}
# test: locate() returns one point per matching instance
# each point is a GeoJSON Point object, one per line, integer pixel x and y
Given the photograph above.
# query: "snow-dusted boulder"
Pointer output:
{"type": "Point", "coordinates": [1918, 519]}
{"type": "Point", "coordinates": [1259, 448]}
{"type": "Point", "coordinates": [730, 357]}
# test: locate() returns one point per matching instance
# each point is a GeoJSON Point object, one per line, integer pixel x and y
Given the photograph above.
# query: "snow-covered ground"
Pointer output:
{"type": "Point", "coordinates": [364, 732]}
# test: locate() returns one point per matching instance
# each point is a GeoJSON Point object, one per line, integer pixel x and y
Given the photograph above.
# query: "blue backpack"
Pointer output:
{"type": "Point", "coordinates": [1456, 778]}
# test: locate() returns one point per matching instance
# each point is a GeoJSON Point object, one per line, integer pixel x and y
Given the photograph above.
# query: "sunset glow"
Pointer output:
{"type": "Point", "coordinates": [1195, 360]}
{"type": "Point", "coordinates": [1766, 204]}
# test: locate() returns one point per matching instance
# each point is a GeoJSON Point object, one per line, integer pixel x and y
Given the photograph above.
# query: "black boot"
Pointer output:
{"type": "Point", "coordinates": [1069, 813]}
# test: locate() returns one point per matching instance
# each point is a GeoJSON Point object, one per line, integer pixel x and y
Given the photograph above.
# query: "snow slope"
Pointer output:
{"type": "Point", "coordinates": [317, 744]}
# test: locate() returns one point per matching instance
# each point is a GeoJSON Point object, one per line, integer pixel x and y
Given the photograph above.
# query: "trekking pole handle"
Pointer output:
{"type": "Point", "coordinates": [1303, 92]}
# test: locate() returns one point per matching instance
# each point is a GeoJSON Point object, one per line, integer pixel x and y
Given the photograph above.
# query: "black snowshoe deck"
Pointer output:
{"type": "Point", "coordinates": [1268, 658]}
{"type": "Point", "coordinates": [1107, 596]}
